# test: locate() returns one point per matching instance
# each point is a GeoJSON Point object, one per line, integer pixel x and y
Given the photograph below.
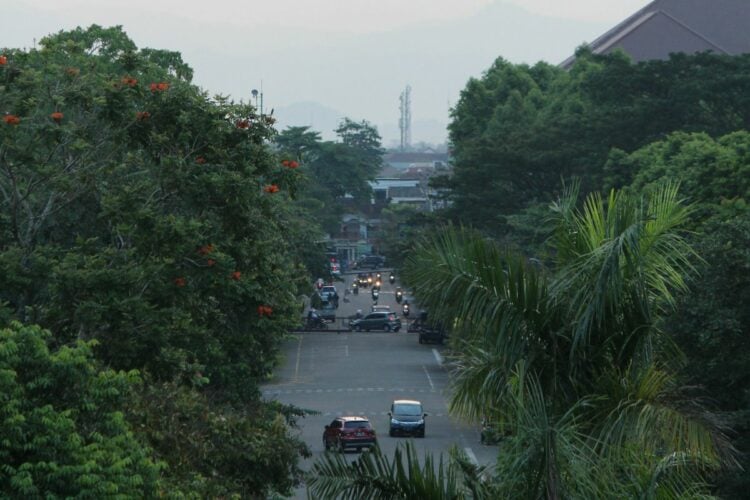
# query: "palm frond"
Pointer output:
{"type": "Point", "coordinates": [374, 476]}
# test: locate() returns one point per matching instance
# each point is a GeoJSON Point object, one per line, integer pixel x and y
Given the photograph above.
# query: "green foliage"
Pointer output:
{"type": "Point", "coordinates": [64, 433]}
{"type": "Point", "coordinates": [712, 327]}
{"type": "Point", "coordinates": [219, 450]}
{"type": "Point", "coordinates": [707, 169]}
{"type": "Point", "coordinates": [158, 223]}
{"type": "Point", "coordinates": [518, 130]}
{"type": "Point", "coordinates": [334, 170]}
{"type": "Point", "coordinates": [570, 358]}
{"type": "Point", "coordinates": [374, 476]}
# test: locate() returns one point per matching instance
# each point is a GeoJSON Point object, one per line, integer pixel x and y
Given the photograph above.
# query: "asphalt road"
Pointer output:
{"type": "Point", "coordinates": [361, 373]}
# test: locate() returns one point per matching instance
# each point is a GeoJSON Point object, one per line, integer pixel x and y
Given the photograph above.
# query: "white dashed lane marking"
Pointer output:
{"type": "Point", "coordinates": [372, 413]}
{"type": "Point", "coordinates": [273, 392]}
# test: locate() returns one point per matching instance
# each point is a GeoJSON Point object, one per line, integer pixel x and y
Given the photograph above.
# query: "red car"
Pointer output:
{"type": "Point", "coordinates": [349, 432]}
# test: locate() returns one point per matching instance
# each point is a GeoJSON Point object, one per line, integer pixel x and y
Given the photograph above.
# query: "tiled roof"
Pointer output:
{"type": "Point", "coordinates": [689, 26]}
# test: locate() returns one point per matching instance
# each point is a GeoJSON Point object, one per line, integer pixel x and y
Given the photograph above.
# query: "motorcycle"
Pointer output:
{"type": "Point", "coordinates": [405, 310]}
{"type": "Point", "coordinates": [315, 322]}
{"type": "Point", "coordinates": [355, 288]}
{"type": "Point", "coordinates": [399, 296]}
{"type": "Point", "coordinates": [375, 294]}
{"type": "Point", "coordinates": [392, 279]}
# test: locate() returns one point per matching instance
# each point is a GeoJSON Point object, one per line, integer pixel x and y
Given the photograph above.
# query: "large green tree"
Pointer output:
{"type": "Point", "coordinates": [64, 433]}
{"type": "Point", "coordinates": [140, 213]}
{"type": "Point", "coordinates": [517, 130]}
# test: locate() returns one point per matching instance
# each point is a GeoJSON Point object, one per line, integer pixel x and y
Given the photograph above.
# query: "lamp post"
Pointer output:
{"type": "Point", "coordinates": [255, 94]}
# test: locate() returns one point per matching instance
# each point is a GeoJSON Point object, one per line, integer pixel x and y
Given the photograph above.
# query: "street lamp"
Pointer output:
{"type": "Point", "coordinates": [255, 94]}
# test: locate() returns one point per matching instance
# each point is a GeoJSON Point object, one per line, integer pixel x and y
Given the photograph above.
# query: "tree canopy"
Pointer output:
{"type": "Point", "coordinates": [139, 213]}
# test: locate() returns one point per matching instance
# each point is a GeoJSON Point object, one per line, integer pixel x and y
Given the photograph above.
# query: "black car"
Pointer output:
{"type": "Point", "coordinates": [380, 320]}
{"type": "Point", "coordinates": [407, 418]}
{"type": "Point", "coordinates": [431, 333]}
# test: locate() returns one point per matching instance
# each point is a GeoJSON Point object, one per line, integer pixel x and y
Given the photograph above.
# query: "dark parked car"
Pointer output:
{"type": "Point", "coordinates": [349, 432]}
{"type": "Point", "coordinates": [380, 320]}
{"type": "Point", "coordinates": [407, 418]}
{"type": "Point", "coordinates": [371, 262]}
{"type": "Point", "coordinates": [429, 332]}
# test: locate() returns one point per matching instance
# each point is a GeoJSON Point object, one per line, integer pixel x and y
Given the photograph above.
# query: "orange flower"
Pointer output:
{"type": "Point", "coordinates": [285, 163]}
{"type": "Point", "coordinates": [72, 71]}
{"type": "Point", "coordinates": [206, 249]}
{"type": "Point", "coordinates": [142, 116]}
{"type": "Point", "coordinates": [264, 311]}
{"type": "Point", "coordinates": [159, 87]}
{"type": "Point", "coordinates": [236, 275]}
{"type": "Point", "coordinates": [293, 164]}
{"type": "Point", "coordinates": [57, 116]}
{"type": "Point", "coordinates": [200, 160]}
{"type": "Point", "coordinates": [129, 81]}
{"type": "Point", "coordinates": [211, 262]}
{"type": "Point", "coordinates": [243, 124]}
{"type": "Point", "coordinates": [180, 282]}
{"type": "Point", "coordinates": [271, 188]}
{"type": "Point", "coordinates": [11, 119]}
{"type": "Point", "coordinates": [3, 60]}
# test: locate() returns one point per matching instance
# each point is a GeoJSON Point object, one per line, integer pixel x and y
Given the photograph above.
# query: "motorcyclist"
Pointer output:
{"type": "Point", "coordinates": [314, 320]}
{"type": "Point", "coordinates": [405, 308]}
{"type": "Point", "coordinates": [355, 288]}
{"type": "Point", "coordinates": [392, 278]}
{"type": "Point", "coordinates": [399, 295]}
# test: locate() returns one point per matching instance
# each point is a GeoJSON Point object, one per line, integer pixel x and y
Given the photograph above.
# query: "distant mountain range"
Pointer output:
{"type": "Point", "coordinates": [364, 75]}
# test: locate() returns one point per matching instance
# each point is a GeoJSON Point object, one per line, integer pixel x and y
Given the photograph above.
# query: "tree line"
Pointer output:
{"type": "Point", "coordinates": [155, 243]}
{"type": "Point", "coordinates": [596, 279]}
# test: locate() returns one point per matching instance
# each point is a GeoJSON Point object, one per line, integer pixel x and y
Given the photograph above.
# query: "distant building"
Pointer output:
{"type": "Point", "coordinates": [669, 26]}
{"type": "Point", "coordinates": [400, 190]}
{"type": "Point", "coordinates": [403, 160]}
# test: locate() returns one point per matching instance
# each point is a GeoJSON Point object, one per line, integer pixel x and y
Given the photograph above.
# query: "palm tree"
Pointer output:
{"type": "Point", "coordinates": [567, 359]}
{"type": "Point", "coordinates": [374, 476]}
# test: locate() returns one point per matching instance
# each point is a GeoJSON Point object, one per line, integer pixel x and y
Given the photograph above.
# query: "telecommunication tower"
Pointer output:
{"type": "Point", "coordinates": [404, 122]}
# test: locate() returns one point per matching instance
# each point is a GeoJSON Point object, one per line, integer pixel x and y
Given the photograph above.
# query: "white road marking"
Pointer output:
{"type": "Point", "coordinates": [471, 456]}
{"type": "Point", "coordinates": [299, 353]}
{"type": "Point", "coordinates": [438, 357]}
{"type": "Point", "coordinates": [346, 350]}
{"type": "Point", "coordinates": [271, 392]}
{"type": "Point", "coordinates": [428, 377]}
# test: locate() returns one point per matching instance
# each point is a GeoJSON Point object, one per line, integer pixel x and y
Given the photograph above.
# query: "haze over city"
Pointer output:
{"type": "Point", "coordinates": [319, 61]}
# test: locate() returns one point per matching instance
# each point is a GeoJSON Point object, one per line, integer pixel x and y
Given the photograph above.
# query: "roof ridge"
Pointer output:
{"type": "Point", "coordinates": [696, 33]}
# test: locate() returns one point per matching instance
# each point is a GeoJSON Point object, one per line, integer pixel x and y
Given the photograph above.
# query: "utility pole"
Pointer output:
{"type": "Point", "coordinates": [404, 122]}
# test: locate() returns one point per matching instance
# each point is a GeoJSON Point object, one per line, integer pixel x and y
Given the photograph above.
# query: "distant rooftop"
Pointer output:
{"type": "Point", "coordinates": [669, 26]}
{"type": "Point", "coordinates": [405, 157]}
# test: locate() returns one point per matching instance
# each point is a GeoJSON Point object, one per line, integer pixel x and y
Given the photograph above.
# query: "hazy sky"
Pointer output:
{"type": "Point", "coordinates": [353, 56]}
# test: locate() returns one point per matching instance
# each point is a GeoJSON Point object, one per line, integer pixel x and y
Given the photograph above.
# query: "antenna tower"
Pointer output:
{"type": "Point", "coordinates": [404, 122]}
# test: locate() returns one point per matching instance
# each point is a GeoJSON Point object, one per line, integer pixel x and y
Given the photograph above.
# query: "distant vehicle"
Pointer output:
{"type": "Point", "coordinates": [327, 312]}
{"type": "Point", "coordinates": [362, 280]}
{"type": "Point", "coordinates": [314, 321]}
{"type": "Point", "coordinates": [349, 432]}
{"type": "Point", "coordinates": [380, 320]}
{"type": "Point", "coordinates": [407, 418]}
{"type": "Point", "coordinates": [329, 294]}
{"type": "Point", "coordinates": [371, 262]}
{"type": "Point", "coordinates": [429, 331]}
